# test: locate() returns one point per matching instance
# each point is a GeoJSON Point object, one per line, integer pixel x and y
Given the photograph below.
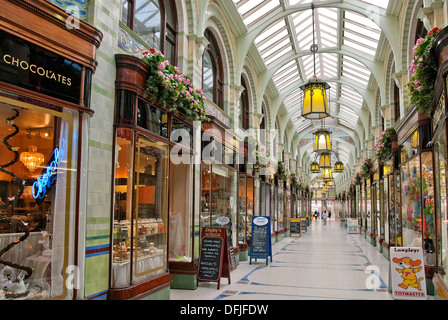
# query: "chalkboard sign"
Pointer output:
{"type": "Point", "coordinates": [295, 228]}
{"type": "Point", "coordinates": [304, 224]}
{"type": "Point", "coordinates": [211, 254]}
{"type": "Point", "coordinates": [214, 256]}
{"type": "Point", "coordinates": [260, 245]}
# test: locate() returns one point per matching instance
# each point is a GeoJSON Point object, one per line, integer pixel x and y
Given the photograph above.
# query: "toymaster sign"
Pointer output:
{"type": "Point", "coordinates": [408, 273]}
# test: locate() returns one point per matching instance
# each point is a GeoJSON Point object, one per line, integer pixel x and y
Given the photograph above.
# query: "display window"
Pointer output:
{"type": "Point", "coordinates": [363, 207]}
{"type": "Point", "coordinates": [246, 208]}
{"type": "Point", "coordinates": [440, 171]}
{"type": "Point", "coordinates": [368, 206]}
{"type": "Point", "coordinates": [140, 208]}
{"type": "Point", "coordinates": [411, 204]}
{"type": "Point", "coordinates": [398, 230]}
{"type": "Point", "coordinates": [181, 210]}
{"type": "Point", "coordinates": [280, 209]}
{"type": "Point", "coordinates": [38, 179]}
{"type": "Point", "coordinates": [427, 216]}
{"type": "Point", "coordinates": [219, 199]}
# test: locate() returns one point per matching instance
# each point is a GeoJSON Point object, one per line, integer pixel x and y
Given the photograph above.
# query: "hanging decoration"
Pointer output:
{"type": "Point", "coordinates": [31, 158]}
{"type": "Point", "coordinates": [16, 180]}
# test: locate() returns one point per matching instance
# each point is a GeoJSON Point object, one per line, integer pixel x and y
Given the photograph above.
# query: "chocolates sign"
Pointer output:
{"type": "Point", "coordinates": [31, 67]}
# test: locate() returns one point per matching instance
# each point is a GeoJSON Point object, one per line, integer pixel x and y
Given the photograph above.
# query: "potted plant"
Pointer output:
{"type": "Point", "coordinates": [423, 72]}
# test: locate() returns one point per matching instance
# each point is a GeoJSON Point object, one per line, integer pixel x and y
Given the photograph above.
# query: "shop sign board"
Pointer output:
{"type": "Point", "coordinates": [407, 273]}
{"type": "Point", "coordinates": [34, 68]}
{"type": "Point", "coordinates": [214, 256]}
{"type": "Point", "coordinates": [295, 227]}
{"type": "Point", "coordinates": [352, 225]}
{"type": "Point", "coordinates": [260, 244]}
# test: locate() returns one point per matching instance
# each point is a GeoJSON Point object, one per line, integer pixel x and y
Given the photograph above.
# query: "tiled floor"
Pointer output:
{"type": "Point", "coordinates": [325, 263]}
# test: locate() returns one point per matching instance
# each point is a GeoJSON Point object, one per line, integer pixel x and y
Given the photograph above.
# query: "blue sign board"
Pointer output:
{"type": "Point", "coordinates": [260, 244]}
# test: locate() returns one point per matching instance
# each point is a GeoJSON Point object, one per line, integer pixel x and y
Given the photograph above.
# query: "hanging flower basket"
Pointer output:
{"type": "Point", "coordinates": [283, 171]}
{"type": "Point", "coordinates": [260, 152]}
{"type": "Point", "coordinates": [167, 86]}
{"type": "Point", "coordinates": [357, 179]}
{"type": "Point", "coordinates": [383, 147]}
{"type": "Point", "coordinates": [365, 168]}
{"type": "Point", "coordinates": [423, 73]}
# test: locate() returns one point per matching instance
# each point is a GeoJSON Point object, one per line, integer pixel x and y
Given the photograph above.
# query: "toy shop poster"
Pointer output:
{"type": "Point", "coordinates": [408, 273]}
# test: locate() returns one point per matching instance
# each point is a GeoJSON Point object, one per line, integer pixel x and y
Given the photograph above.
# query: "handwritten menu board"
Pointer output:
{"type": "Point", "coordinates": [295, 228]}
{"type": "Point", "coordinates": [214, 256]}
{"type": "Point", "coordinates": [304, 224]}
{"type": "Point", "coordinates": [260, 245]}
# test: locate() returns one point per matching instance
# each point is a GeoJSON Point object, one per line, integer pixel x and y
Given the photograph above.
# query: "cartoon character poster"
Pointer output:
{"type": "Point", "coordinates": [408, 273]}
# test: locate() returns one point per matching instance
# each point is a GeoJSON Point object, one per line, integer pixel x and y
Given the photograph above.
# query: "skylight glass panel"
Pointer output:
{"type": "Point", "coordinates": [348, 113]}
{"type": "Point", "coordinates": [326, 65]}
{"type": "Point", "coordinates": [287, 75]}
{"type": "Point", "coordinates": [379, 3]}
{"type": "Point", "coordinates": [355, 70]}
{"type": "Point", "coordinates": [351, 96]}
{"type": "Point", "coordinates": [326, 24]}
{"type": "Point", "coordinates": [360, 33]}
{"type": "Point", "coordinates": [346, 124]}
{"type": "Point", "coordinates": [274, 42]}
{"type": "Point", "coordinates": [252, 10]}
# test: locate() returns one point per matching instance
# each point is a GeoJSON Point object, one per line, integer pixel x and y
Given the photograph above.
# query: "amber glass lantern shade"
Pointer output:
{"type": "Point", "coordinates": [315, 103]}
{"type": "Point", "coordinates": [325, 161]}
{"type": "Point", "coordinates": [338, 167]}
{"type": "Point", "coordinates": [315, 167]}
{"type": "Point", "coordinates": [322, 143]}
{"type": "Point", "coordinates": [327, 174]}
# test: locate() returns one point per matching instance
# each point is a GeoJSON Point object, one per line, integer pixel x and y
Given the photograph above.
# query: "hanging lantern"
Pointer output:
{"type": "Point", "coordinates": [315, 167]}
{"type": "Point", "coordinates": [322, 143]}
{"type": "Point", "coordinates": [315, 103]}
{"type": "Point", "coordinates": [325, 161]}
{"type": "Point", "coordinates": [32, 159]}
{"type": "Point", "coordinates": [330, 184]}
{"type": "Point", "coordinates": [338, 167]}
{"type": "Point", "coordinates": [327, 174]}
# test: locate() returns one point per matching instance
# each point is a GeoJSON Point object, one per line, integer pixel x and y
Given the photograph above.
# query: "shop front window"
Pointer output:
{"type": "Point", "coordinates": [411, 204]}
{"type": "Point", "coordinates": [427, 196]}
{"type": "Point", "coordinates": [38, 157]}
{"type": "Point", "coordinates": [369, 206]}
{"type": "Point", "coordinates": [140, 209]}
{"type": "Point", "coordinates": [441, 160]}
{"type": "Point", "coordinates": [219, 198]}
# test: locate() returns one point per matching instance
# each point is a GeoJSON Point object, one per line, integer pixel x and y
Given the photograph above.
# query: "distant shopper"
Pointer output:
{"type": "Point", "coordinates": [325, 216]}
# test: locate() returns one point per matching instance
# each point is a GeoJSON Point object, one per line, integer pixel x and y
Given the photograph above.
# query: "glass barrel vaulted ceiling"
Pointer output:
{"type": "Point", "coordinates": [347, 41]}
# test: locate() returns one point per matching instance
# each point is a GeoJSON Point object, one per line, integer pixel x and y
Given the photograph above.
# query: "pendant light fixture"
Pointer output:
{"type": "Point", "coordinates": [327, 174]}
{"type": "Point", "coordinates": [325, 161]}
{"type": "Point", "coordinates": [322, 143]}
{"type": "Point", "coordinates": [315, 167]}
{"type": "Point", "coordinates": [315, 104]}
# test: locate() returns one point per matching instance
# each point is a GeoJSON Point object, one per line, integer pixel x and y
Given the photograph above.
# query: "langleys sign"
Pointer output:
{"type": "Point", "coordinates": [28, 66]}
